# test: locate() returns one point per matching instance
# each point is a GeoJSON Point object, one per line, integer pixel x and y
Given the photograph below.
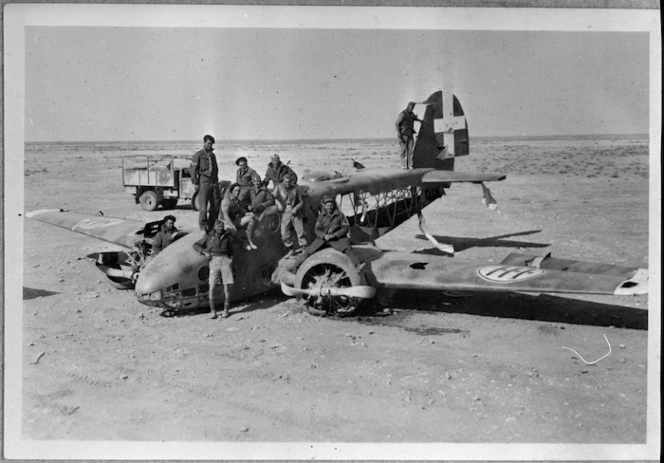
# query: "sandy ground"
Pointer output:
{"type": "Point", "coordinates": [97, 365]}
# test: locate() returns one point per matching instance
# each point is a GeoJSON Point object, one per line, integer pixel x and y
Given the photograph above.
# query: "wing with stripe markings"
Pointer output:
{"type": "Point", "coordinates": [123, 232]}
{"type": "Point", "coordinates": [404, 270]}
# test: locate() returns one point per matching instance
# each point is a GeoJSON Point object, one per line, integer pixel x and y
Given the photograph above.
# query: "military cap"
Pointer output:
{"type": "Point", "coordinates": [241, 158]}
{"type": "Point", "coordinates": [328, 199]}
{"type": "Point", "coordinates": [208, 137]}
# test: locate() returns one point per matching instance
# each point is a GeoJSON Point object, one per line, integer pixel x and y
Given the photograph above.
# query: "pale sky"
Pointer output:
{"type": "Point", "coordinates": [147, 83]}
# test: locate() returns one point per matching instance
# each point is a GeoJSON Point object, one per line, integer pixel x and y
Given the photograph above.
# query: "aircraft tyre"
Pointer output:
{"type": "Point", "coordinates": [328, 268]}
{"type": "Point", "coordinates": [194, 201]}
{"type": "Point", "coordinates": [149, 200]}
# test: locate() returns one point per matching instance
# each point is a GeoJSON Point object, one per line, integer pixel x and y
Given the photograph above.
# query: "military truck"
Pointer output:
{"type": "Point", "coordinates": [156, 180]}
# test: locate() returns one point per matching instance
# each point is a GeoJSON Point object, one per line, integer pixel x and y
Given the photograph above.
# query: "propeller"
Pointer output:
{"type": "Point", "coordinates": [363, 292]}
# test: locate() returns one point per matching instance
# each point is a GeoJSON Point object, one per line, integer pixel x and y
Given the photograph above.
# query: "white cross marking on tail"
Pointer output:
{"type": "Point", "coordinates": [449, 123]}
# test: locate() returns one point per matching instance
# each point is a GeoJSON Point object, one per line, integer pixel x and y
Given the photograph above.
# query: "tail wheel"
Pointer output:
{"type": "Point", "coordinates": [149, 200]}
{"type": "Point", "coordinates": [194, 201]}
{"type": "Point", "coordinates": [327, 269]}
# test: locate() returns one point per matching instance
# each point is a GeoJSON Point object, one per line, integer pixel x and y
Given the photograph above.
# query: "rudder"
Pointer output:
{"type": "Point", "coordinates": [443, 133]}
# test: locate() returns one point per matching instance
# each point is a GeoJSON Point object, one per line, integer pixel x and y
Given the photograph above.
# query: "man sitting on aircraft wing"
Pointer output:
{"type": "Point", "coordinates": [332, 230]}
{"type": "Point", "coordinates": [233, 214]}
{"type": "Point", "coordinates": [216, 245]}
{"type": "Point", "coordinates": [259, 201]}
{"type": "Point", "coordinates": [289, 202]}
{"type": "Point", "coordinates": [276, 171]}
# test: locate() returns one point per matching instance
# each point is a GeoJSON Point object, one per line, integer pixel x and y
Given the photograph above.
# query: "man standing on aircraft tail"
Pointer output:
{"type": "Point", "coordinates": [216, 245]}
{"type": "Point", "coordinates": [204, 174]}
{"type": "Point", "coordinates": [233, 214]}
{"type": "Point", "coordinates": [259, 201]}
{"type": "Point", "coordinates": [405, 131]}
{"type": "Point", "coordinates": [166, 235]}
{"type": "Point", "coordinates": [276, 171]}
{"type": "Point", "coordinates": [289, 202]}
{"type": "Point", "coordinates": [332, 230]}
{"type": "Point", "coordinates": [244, 177]}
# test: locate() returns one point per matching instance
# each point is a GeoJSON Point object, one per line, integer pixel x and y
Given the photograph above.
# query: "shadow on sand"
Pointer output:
{"type": "Point", "coordinates": [260, 302]}
{"type": "Point", "coordinates": [545, 308]}
{"type": "Point", "coordinates": [463, 243]}
{"type": "Point", "coordinates": [32, 293]}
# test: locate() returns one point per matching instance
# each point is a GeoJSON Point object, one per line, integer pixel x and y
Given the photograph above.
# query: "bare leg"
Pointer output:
{"type": "Point", "coordinates": [214, 280]}
{"type": "Point", "coordinates": [250, 232]}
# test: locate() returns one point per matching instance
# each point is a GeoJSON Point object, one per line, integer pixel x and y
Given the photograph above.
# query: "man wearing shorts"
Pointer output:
{"type": "Point", "coordinates": [216, 245]}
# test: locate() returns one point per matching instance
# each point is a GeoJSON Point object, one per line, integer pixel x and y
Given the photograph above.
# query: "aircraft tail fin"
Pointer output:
{"type": "Point", "coordinates": [443, 133]}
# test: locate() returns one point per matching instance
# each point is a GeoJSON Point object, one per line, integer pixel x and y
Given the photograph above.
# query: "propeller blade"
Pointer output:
{"type": "Point", "coordinates": [363, 292]}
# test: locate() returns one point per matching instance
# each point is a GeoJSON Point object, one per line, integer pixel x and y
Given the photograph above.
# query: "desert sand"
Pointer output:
{"type": "Point", "coordinates": [97, 365]}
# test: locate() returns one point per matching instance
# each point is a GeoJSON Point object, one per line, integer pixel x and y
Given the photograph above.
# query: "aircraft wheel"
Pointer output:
{"type": "Point", "coordinates": [325, 269]}
{"type": "Point", "coordinates": [194, 201]}
{"type": "Point", "coordinates": [149, 200]}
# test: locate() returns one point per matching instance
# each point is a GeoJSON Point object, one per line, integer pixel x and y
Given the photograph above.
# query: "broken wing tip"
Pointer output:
{"type": "Point", "coordinates": [634, 286]}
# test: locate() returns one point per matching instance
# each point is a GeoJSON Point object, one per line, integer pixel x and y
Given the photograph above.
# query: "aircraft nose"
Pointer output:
{"type": "Point", "coordinates": [145, 285]}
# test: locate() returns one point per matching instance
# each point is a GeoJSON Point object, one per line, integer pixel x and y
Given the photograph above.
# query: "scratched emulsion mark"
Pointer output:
{"type": "Point", "coordinates": [432, 331]}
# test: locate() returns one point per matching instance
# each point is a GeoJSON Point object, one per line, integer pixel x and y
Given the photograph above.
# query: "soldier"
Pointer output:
{"type": "Point", "coordinates": [405, 132]}
{"type": "Point", "coordinates": [276, 171]}
{"type": "Point", "coordinates": [165, 236]}
{"type": "Point", "coordinates": [216, 245]}
{"type": "Point", "coordinates": [244, 177]}
{"type": "Point", "coordinates": [233, 214]}
{"type": "Point", "coordinates": [289, 202]}
{"type": "Point", "coordinates": [259, 201]}
{"type": "Point", "coordinates": [204, 174]}
{"type": "Point", "coordinates": [332, 230]}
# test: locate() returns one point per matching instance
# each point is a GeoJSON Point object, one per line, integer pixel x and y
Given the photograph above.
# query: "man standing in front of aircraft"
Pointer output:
{"type": "Point", "coordinates": [405, 131]}
{"type": "Point", "coordinates": [205, 176]}
{"type": "Point", "coordinates": [289, 203]}
{"type": "Point", "coordinates": [216, 245]}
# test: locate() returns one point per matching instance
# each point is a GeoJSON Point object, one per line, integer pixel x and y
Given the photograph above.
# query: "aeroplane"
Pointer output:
{"type": "Point", "coordinates": [375, 201]}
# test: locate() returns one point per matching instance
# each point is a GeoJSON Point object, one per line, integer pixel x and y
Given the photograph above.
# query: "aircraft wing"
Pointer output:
{"type": "Point", "coordinates": [374, 181]}
{"type": "Point", "coordinates": [450, 176]}
{"type": "Point", "coordinates": [123, 232]}
{"type": "Point", "coordinates": [517, 273]}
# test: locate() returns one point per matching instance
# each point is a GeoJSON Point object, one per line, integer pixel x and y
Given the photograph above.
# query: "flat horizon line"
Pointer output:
{"type": "Point", "coordinates": [311, 140]}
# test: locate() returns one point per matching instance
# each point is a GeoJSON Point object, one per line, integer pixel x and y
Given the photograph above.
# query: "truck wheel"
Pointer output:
{"type": "Point", "coordinates": [149, 200]}
{"type": "Point", "coordinates": [169, 203]}
{"type": "Point", "coordinates": [194, 201]}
